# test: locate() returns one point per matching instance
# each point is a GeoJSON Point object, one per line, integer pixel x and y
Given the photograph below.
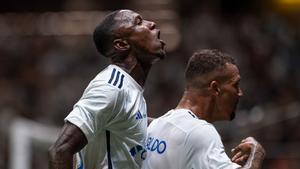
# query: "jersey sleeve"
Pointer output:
{"type": "Point", "coordinates": [95, 109]}
{"type": "Point", "coordinates": [206, 150]}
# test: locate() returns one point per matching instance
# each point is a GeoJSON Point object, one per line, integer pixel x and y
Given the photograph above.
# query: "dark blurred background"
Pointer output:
{"type": "Point", "coordinates": [47, 58]}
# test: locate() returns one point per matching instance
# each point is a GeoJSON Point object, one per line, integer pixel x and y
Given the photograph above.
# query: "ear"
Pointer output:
{"type": "Point", "coordinates": [214, 87]}
{"type": "Point", "coordinates": [121, 44]}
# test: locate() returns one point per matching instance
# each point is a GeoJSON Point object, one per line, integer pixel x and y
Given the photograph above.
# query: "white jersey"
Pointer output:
{"type": "Point", "coordinates": [179, 140]}
{"type": "Point", "coordinates": [112, 115]}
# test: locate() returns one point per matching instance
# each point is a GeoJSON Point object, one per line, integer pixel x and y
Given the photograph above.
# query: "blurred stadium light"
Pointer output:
{"type": "Point", "coordinates": [289, 2]}
{"type": "Point", "coordinates": [288, 5]}
{"type": "Point", "coordinates": [78, 23]}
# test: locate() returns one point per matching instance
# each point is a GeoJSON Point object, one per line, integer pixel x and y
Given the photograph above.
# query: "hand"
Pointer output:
{"type": "Point", "coordinates": [247, 146]}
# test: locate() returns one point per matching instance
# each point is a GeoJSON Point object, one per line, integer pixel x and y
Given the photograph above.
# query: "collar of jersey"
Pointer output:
{"type": "Point", "coordinates": [188, 111]}
{"type": "Point", "coordinates": [128, 75]}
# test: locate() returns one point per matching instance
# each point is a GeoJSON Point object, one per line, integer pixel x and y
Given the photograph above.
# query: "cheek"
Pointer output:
{"type": "Point", "coordinates": [145, 42]}
{"type": "Point", "coordinates": [147, 39]}
{"type": "Point", "coordinates": [229, 100]}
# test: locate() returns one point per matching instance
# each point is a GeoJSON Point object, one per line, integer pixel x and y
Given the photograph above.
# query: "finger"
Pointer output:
{"type": "Point", "coordinates": [240, 147]}
{"type": "Point", "coordinates": [245, 146]}
{"type": "Point", "coordinates": [242, 158]}
{"type": "Point", "coordinates": [248, 139]}
{"type": "Point", "coordinates": [236, 149]}
{"type": "Point", "coordinates": [236, 156]}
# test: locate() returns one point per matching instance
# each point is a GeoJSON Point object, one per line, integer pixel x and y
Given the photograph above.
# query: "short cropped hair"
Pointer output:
{"type": "Point", "coordinates": [104, 34]}
{"type": "Point", "coordinates": [206, 61]}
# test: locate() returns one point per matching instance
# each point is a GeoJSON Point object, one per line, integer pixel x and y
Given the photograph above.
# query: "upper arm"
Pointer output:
{"type": "Point", "coordinates": [70, 140]}
{"type": "Point", "coordinates": [95, 109]}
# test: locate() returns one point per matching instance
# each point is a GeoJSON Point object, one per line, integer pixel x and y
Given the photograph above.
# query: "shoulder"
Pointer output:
{"type": "Point", "coordinates": [111, 79]}
{"type": "Point", "coordinates": [202, 135]}
{"type": "Point", "coordinates": [116, 77]}
{"type": "Point", "coordinates": [111, 76]}
{"type": "Point", "coordinates": [105, 88]}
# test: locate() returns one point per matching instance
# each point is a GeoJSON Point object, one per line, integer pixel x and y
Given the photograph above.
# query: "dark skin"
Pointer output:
{"type": "Point", "coordinates": [217, 101]}
{"type": "Point", "coordinates": [70, 141]}
{"type": "Point", "coordinates": [137, 48]}
{"type": "Point", "coordinates": [141, 43]}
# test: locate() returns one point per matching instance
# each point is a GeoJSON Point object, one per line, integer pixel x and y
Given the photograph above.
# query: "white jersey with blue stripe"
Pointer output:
{"type": "Point", "coordinates": [179, 140]}
{"type": "Point", "coordinates": [113, 116]}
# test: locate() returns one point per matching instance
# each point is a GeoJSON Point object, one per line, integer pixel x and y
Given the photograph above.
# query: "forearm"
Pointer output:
{"type": "Point", "coordinates": [69, 142]}
{"type": "Point", "coordinates": [59, 160]}
{"type": "Point", "coordinates": [60, 165]}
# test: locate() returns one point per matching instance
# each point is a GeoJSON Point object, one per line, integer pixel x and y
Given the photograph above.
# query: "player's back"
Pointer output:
{"type": "Point", "coordinates": [167, 139]}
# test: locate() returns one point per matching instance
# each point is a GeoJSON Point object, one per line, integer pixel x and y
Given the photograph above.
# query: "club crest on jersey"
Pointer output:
{"type": "Point", "coordinates": [116, 78]}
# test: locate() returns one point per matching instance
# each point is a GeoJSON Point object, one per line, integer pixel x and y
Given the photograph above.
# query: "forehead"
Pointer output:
{"type": "Point", "coordinates": [231, 71]}
{"type": "Point", "coordinates": [126, 16]}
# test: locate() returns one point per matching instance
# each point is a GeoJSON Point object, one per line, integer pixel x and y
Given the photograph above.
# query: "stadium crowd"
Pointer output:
{"type": "Point", "coordinates": [42, 76]}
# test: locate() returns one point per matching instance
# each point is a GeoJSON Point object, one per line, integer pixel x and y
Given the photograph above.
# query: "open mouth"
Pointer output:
{"type": "Point", "coordinates": [158, 34]}
{"type": "Point", "coordinates": [163, 44]}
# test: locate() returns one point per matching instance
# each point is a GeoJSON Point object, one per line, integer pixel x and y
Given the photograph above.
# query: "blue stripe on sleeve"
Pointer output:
{"type": "Point", "coordinates": [117, 78]}
{"type": "Point", "coordinates": [121, 83]}
{"type": "Point", "coordinates": [112, 76]}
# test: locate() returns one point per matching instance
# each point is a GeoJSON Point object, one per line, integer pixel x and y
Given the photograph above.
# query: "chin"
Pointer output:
{"type": "Point", "coordinates": [161, 51]}
{"type": "Point", "coordinates": [159, 56]}
{"type": "Point", "coordinates": [162, 55]}
{"type": "Point", "coordinates": [155, 60]}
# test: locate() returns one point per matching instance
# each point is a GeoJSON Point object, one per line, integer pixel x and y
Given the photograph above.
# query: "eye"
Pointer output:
{"type": "Point", "coordinates": [138, 20]}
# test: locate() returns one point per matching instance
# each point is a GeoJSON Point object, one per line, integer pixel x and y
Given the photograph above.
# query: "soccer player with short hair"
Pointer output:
{"type": "Point", "coordinates": [184, 137]}
{"type": "Point", "coordinates": [108, 124]}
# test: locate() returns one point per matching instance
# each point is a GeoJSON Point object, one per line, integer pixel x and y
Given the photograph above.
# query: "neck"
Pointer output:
{"type": "Point", "coordinates": [135, 69]}
{"type": "Point", "coordinates": [199, 104]}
